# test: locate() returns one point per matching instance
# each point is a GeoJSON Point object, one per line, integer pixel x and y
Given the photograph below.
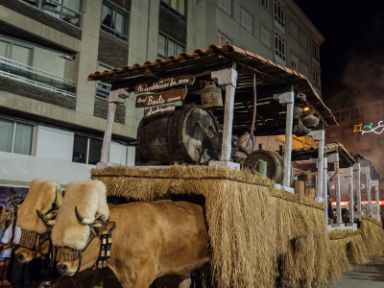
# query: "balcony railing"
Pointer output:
{"type": "Point", "coordinates": [35, 77]}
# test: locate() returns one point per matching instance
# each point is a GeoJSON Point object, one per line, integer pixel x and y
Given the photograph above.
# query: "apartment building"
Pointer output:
{"type": "Point", "coordinates": [52, 119]}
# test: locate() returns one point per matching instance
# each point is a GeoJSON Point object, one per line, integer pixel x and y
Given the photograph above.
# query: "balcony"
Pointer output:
{"type": "Point", "coordinates": [34, 77]}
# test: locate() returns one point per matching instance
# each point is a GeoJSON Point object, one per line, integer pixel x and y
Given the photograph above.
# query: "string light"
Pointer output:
{"type": "Point", "coordinates": [369, 128]}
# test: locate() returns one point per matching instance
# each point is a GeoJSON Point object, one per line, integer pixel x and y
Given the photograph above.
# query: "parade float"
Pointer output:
{"type": "Point", "coordinates": [261, 233]}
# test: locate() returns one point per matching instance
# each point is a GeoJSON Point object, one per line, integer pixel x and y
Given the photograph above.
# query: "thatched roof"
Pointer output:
{"type": "Point", "coordinates": [272, 78]}
{"type": "Point", "coordinates": [346, 159]}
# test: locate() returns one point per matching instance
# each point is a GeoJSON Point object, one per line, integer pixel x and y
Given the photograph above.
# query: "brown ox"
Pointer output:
{"type": "Point", "coordinates": [150, 239]}
{"type": "Point", "coordinates": [43, 196]}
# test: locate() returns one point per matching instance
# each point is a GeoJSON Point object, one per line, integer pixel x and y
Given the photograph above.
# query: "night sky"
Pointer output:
{"type": "Point", "coordinates": [353, 51]}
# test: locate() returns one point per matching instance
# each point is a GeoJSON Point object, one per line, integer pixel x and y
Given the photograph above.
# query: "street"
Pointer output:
{"type": "Point", "coordinates": [367, 276]}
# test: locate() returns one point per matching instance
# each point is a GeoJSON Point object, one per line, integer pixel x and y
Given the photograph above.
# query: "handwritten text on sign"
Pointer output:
{"type": "Point", "coordinates": [161, 98]}
{"type": "Point", "coordinates": [158, 109]}
{"type": "Point", "coordinates": [165, 83]}
{"type": "Point", "coordinates": [369, 128]}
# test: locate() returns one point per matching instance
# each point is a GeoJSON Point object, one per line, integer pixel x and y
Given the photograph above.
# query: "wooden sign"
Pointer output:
{"type": "Point", "coordinates": [158, 109]}
{"type": "Point", "coordinates": [165, 83]}
{"type": "Point", "coordinates": [161, 98]}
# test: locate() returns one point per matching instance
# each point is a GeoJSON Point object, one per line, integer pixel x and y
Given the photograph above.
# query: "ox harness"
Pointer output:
{"type": "Point", "coordinates": [32, 240]}
{"type": "Point", "coordinates": [105, 235]}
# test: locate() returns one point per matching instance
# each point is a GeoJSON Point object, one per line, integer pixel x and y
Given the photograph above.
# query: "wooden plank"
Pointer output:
{"type": "Point", "coordinates": [148, 111]}
{"type": "Point", "coordinates": [161, 98]}
{"type": "Point", "coordinates": [165, 83]}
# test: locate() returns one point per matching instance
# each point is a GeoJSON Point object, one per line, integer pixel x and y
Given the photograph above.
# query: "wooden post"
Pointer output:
{"type": "Point", "coordinates": [228, 79]}
{"type": "Point", "coordinates": [289, 99]}
{"type": "Point", "coordinates": [356, 170]}
{"type": "Point", "coordinates": [367, 179]}
{"type": "Point", "coordinates": [325, 188]}
{"type": "Point", "coordinates": [335, 159]}
{"type": "Point", "coordinates": [319, 135]}
{"type": "Point", "coordinates": [349, 176]}
{"type": "Point", "coordinates": [378, 200]}
{"type": "Point", "coordinates": [115, 97]}
{"type": "Point", "coordinates": [375, 188]}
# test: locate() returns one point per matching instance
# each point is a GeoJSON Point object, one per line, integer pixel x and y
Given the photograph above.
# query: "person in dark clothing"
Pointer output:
{"type": "Point", "coordinates": [331, 216]}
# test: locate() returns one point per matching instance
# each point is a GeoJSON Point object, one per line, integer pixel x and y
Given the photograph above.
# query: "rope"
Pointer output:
{"type": "Point", "coordinates": [254, 107]}
{"type": "Point", "coordinates": [306, 172]}
{"type": "Point", "coordinates": [252, 129]}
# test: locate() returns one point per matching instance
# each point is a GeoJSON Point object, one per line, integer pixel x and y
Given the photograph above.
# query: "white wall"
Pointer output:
{"type": "Point", "coordinates": [118, 155]}
{"type": "Point", "coordinates": [122, 155]}
{"type": "Point", "coordinates": [131, 156]}
{"type": "Point", "coordinates": [21, 169]}
{"type": "Point", "coordinates": [54, 143]}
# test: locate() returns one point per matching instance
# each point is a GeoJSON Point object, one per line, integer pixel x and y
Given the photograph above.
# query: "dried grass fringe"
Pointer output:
{"type": "Point", "coordinates": [255, 230]}
{"type": "Point", "coordinates": [372, 234]}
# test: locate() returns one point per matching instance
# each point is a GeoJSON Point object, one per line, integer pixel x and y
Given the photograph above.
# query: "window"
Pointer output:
{"type": "Point", "coordinates": [280, 48]}
{"type": "Point", "coordinates": [279, 14]}
{"type": "Point", "coordinates": [222, 39]}
{"type": "Point", "coordinates": [303, 68]}
{"type": "Point", "coordinates": [67, 10]}
{"type": "Point", "coordinates": [16, 51]}
{"type": "Point", "coordinates": [293, 29]}
{"type": "Point", "coordinates": [303, 39]}
{"type": "Point", "coordinates": [15, 64]}
{"type": "Point", "coordinates": [316, 77]}
{"type": "Point", "coordinates": [102, 89]}
{"type": "Point", "coordinates": [114, 21]}
{"type": "Point", "coordinates": [264, 3]}
{"type": "Point", "coordinates": [166, 46]}
{"type": "Point", "coordinates": [16, 137]}
{"type": "Point", "coordinates": [246, 20]}
{"type": "Point", "coordinates": [86, 150]}
{"type": "Point", "coordinates": [294, 61]}
{"type": "Point", "coordinates": [265, 37]}
{"type": "Point", "coordinates": [226, 5]}
{"type": "Point", "coordinates": [177, 5]}
{"type": "Point", "coordinates": [315, 51]}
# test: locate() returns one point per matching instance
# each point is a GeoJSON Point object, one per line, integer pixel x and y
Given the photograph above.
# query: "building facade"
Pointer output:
{"type": "Point", "coordinates": [361, 129]}
{"type": "Point", "coordinates": [52, 119]}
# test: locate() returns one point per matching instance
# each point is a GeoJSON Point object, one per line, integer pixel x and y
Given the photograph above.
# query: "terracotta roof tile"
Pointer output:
{"type": "Point", "coordinates": [216, 55]}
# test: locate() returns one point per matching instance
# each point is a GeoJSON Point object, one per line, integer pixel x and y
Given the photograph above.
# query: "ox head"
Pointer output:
{"type": "Point", "coordinates": [84, 208]}
{"type": "Point", "coordinates": [35, 215]}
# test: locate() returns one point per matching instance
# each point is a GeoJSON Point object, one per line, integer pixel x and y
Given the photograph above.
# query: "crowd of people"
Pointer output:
{"type": "Point", "coordinates": [12, 273]}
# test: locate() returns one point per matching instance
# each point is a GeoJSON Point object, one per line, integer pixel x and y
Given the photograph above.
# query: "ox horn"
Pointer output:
{"type": "Point", "coordinates": [42, 217]}
{"type": "Point", "coordinates": [82, 220]}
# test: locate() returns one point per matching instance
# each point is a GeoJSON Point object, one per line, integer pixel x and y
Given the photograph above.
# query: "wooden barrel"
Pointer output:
{"type": "Point", "coordinates": [187, 135]}
{"type": "Point", "coordinates": [275, 164]}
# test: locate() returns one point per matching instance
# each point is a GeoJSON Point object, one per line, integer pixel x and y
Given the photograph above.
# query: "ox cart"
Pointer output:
{"type": "Point", "coordinates": [194, 104]}
{"type": "Point", "coordinates": [258, 231]}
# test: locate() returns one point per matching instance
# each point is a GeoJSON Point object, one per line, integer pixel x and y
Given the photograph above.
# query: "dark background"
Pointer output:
{"type": "Point", "coordinates": [354, 47]}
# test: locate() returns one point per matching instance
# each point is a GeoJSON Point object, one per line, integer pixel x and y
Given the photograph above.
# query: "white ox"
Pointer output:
{"type": "Point", "coordinates": [150, 239]}
{"type": "Point", "coordinates": [43, 196]}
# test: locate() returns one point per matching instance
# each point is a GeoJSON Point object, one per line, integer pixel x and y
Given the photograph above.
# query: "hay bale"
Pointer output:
{"type": "Point", "coordinates": [254, 229]}
{"type": "Point", "coordinates": [338, 262]}
{"type": "Point", "coordinates": [237, 206]}
{"type": "Point", "coordinates": [373, 236]}
{"type": "Point", "coordinates": [301, 241]}
{"type": "Point", "coordinates": [354, 245]}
